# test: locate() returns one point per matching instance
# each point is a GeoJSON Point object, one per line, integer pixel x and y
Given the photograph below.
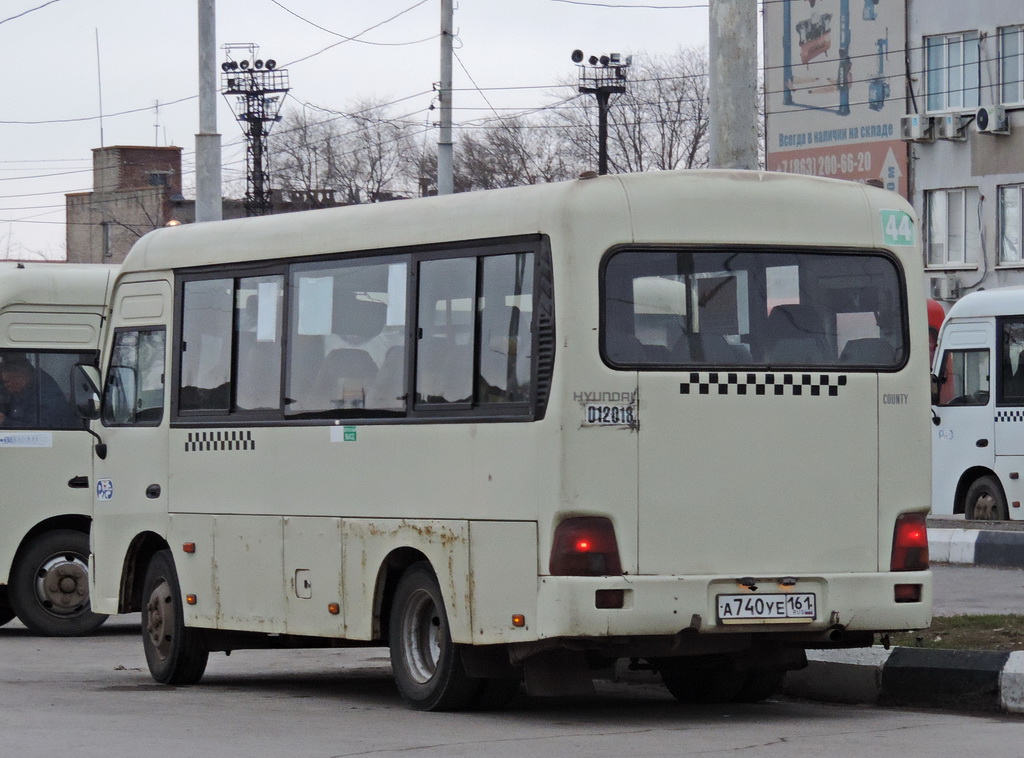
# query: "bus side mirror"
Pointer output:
{"type": "Point", "coordinates": [935, 400]}
{"type": "Point", "coordinates": [85, 393]}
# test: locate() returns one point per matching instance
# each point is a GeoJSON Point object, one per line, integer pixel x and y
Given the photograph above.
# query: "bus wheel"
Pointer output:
{"type": "Point", "coordinates": [425, 662]}
{"type": "Point", "coordinates": [49, 588]}
{"type": "Point", "coordinates": [703, 685]}
{"type": "Point", "coordinates": [985, 500]}
{"type": "Point", "coordinates": [175, 653]}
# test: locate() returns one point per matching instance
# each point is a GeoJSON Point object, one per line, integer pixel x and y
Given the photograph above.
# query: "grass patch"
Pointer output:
{"type": "Point", "coordinates": [988, 632]}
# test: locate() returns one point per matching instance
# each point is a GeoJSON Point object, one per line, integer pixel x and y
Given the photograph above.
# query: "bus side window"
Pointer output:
{"type": "Point", "coordinates": [444, 354]}
{"type": "Point", "coordinates": [258, 343]}
{"type": "Point", "coordinates": [506, 338]}
{"type": "Point", "coordinates": [964, 379]}
{"type": "Point", "coordinates": [1011, 365]}
{"type": "Point", "coordinates": [134, 389]}
{"type": "Point", "coordinates": [206, 327]}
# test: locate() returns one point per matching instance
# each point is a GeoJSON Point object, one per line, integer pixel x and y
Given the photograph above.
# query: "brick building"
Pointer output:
{"type": "Point", "coordinates": [135, 190]}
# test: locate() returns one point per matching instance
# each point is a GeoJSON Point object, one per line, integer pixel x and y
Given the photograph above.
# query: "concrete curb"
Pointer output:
{"type": "Point", "coordinates": [966, 680]}
{"type": "Point", "coordinates": [980, 547]}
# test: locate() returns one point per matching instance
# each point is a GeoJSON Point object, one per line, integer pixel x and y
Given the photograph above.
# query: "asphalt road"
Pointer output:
{"type": "Point", "coordinates": [93, 698]}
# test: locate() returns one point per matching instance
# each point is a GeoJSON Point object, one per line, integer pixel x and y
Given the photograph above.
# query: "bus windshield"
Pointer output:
{"type": "Point", "coordinates": [669, 309]}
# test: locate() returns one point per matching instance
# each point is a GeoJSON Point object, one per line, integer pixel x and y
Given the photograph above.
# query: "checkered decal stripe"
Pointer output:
{"type": "Point", "coordinates": [1010, 415]}
{"type": "Point", "coordinates": [199, 442]}
{"type": "Point", "coordinates": [714, 383]}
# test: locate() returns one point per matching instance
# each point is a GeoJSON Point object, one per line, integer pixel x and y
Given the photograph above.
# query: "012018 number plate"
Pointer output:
{"type": "Point", "coordinates": [784, 607]}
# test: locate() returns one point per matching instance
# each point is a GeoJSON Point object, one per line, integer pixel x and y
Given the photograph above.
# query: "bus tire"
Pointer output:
{"type": "Point", "coordinates": [426, 664]}
{"type": "Point", "coordinates": [49, 589]}
{"type": "Point", "coordinates": [985, 500]}
{"type": "Point", "coordinates": [175, 654]}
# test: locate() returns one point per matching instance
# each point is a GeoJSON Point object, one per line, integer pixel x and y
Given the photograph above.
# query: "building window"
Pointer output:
{"type": "Point", "coordinates": [954, 232]}
{"type": "Point", "coordinates": [1011, 229]}
{"type": "Point", "coordinates": [952, 71]}
{"type": "Point", "coordinates": [1011, 63]}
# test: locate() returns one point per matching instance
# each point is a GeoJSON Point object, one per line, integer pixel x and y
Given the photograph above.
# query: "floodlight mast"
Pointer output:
{"type": "Point", "coordinates": [602, 77]}
{"type": "Point", "coordinates": [259, 88]}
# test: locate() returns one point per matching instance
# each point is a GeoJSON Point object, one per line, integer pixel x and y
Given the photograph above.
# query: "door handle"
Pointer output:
{"type": "Point", "coordinates": [153, 491]}
{"type": "Point", "coordinates": [78, 482]}
{"type": "Point", "coordinates": [982, 443]}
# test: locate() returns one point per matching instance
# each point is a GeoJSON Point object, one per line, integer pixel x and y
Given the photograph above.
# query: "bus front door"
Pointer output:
{"type": "Point", "coordinates": [963, 437]}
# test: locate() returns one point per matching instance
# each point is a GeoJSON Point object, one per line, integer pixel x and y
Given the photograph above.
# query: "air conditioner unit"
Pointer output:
{"type": "Point", "coordinates": [991, 119]}
{"type": "Point", "coordinates": [916, 128]}
{"type": "Point", "coordinates": [950, 127]}
{"type": "Point", "coordinates": [939, 287]}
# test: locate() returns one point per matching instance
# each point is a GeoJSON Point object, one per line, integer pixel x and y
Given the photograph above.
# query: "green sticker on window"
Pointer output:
{"type": "Point", "coordinates": [349, 434]}
{"type": "Point", "coordinates": [897, 228]}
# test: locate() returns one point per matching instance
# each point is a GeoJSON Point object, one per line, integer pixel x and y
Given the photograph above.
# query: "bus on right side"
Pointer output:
{"type": "Point", "coordinates": [978, 409]}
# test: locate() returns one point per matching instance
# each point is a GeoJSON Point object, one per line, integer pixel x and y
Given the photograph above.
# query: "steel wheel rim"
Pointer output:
{"type": "Point", "coordinates": [985, 507]}
{"type": "Point", "coordinates": [421, 637]}
{"type": "Point", "coordinates": [62, 585]}
{"type": "Point", "coordinates": [160, 620]}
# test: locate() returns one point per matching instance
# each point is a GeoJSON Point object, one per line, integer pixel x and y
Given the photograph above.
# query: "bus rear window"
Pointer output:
{"type": "Point", "coordinates": [669, 309]}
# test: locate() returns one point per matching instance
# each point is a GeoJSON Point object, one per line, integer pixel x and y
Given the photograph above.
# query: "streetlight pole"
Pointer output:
{"type": "Point", "coordinates": [602, 77]}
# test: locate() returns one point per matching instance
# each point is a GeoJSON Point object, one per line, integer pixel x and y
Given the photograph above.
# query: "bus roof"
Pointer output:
{"type": "Point", "coordinates": [71, 284]}
{"type": "Point", "coordinates": [1001, 301]}
{"type": "Point", "coordinates": [696, 206]}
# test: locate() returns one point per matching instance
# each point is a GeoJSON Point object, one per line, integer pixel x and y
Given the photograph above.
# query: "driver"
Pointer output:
{"type": "Point", "coordinates": [31, 400]}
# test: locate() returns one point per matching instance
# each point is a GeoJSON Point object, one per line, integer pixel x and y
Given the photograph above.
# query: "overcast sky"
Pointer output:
{"type": "Point", "coordinates": [49, 113]}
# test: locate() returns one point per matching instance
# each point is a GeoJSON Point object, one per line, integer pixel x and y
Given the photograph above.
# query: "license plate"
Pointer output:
{"type": "Point", "coordinates": [784, 607]}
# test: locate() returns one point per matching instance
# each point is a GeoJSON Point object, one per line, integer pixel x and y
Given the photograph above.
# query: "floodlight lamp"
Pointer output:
{"type": "Point", "coordinates": [577, 56]}
{"type": "Point", "coordinates": [271, 64]}
{"type": "Point", "coordinates": [244, 65]}
{"type": "Point", "coordinates": [258, 63]}
{"type": "Point", "coordinates": [604, 60]}
{"type": "Point", "coordinates": [592, 60]}
{"type": "Point", "coordinates": [225, 66]}
{"type": "Point", "coordinates": [614, 57]}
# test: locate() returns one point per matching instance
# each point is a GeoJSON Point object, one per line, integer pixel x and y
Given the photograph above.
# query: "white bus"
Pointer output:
{"type": "Point", "coordinates": [978, 443]}
{"type": "Point", "coordinates": [51, 318]}
{"type": "Point", "coordinates": [521, 434]}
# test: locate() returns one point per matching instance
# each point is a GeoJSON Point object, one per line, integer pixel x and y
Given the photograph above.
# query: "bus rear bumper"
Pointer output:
{"type": "Point", "coordinates": [668, 605]}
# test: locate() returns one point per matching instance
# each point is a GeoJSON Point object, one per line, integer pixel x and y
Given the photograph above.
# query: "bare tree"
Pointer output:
{"type": "Point", "coordinates": [508, 152]}
{"type": "Point", "coordinates": [362, 155]}
{"type": "Point", "coordinates": [367, 154]}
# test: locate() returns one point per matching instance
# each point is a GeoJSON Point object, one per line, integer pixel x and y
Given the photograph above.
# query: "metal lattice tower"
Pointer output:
{"type": "Point", "coordinates": [258, 88]}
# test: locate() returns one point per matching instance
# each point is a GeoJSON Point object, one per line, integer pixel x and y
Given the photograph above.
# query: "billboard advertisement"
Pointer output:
{"type": "Point", "coordinates": [834, 89]}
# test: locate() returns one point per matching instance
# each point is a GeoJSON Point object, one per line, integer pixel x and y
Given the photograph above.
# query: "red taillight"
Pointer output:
{"type": "Point", "coordinates": [585, 546]}
{"type": "Point", "coordinates": [910, 543]}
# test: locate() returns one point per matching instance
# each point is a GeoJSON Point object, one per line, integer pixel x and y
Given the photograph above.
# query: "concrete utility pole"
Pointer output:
{"type": "Point", "coordinates": [208, 177]}
{"type": "Point", "coordinates": [733, 66]}
{"type": "Point", "coordinates": [445, 153]}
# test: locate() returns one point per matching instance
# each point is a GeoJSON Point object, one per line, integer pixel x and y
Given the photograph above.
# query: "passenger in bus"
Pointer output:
{"type": "Point", "coordinates": [31, 400]}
